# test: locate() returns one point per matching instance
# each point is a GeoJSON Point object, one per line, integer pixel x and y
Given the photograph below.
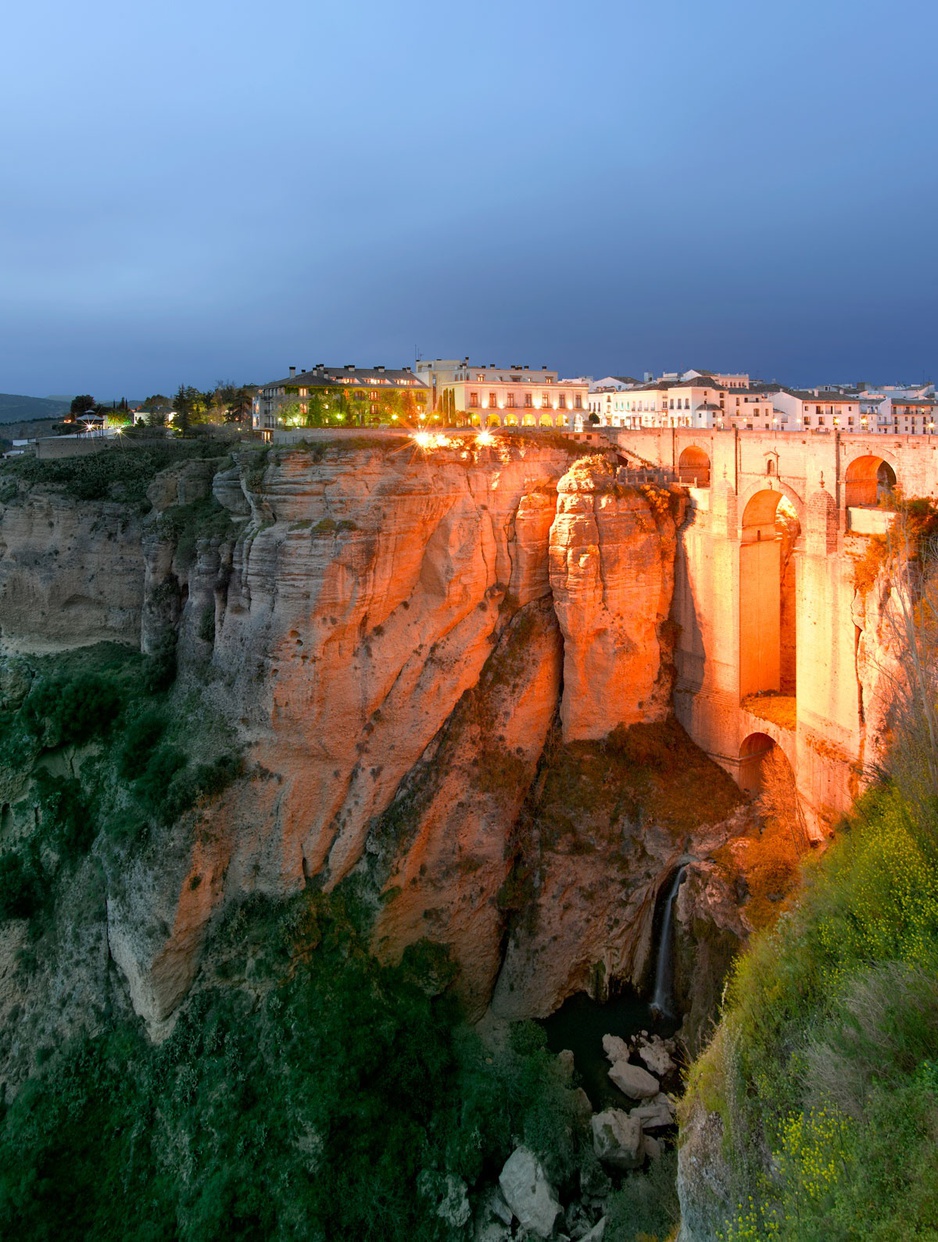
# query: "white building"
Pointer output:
{"type": "Point", "coordinates": [494, 396]}
{"type": "Point", "coordinates": [693, 399]}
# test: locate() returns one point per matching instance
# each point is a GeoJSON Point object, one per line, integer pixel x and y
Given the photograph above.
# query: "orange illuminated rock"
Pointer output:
{"type": "Point", "coordinates": [612, 576]}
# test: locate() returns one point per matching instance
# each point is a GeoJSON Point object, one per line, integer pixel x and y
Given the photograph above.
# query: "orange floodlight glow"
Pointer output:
{"type": "Point", "coordinates": [485, 438]}
{"type": "Point", "coordinates": [423, 439]}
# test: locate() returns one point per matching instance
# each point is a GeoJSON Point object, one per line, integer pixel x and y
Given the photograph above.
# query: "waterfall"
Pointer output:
{"type": "Point", "coordinates": [664, 971]}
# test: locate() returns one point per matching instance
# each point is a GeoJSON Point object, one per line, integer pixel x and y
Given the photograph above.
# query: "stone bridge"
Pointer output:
{"type": "Point", "coordinates": [770, 620]}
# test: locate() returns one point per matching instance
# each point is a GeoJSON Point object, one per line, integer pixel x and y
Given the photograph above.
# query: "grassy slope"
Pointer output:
{"type": "Point", "coordinates": [824, 1070]}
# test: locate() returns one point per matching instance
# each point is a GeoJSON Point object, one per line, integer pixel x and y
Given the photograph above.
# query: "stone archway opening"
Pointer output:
{"type": "Point", "coordinates": [529, 420]}
{"type": "Point", "coordinates": [753, 754]}
{"type": "Point", "coordinates": [693, 467]}
{"type": "Point", "coordinates": [511, 420]}
{"type": "Point", "coordinates": [546, 420]}
{"type": "Point", "coordinates": [869, 483]}
{"type": "Point", "coordinates": [767, 596]}
{"type": "Point", "coordinates": [493, 421]}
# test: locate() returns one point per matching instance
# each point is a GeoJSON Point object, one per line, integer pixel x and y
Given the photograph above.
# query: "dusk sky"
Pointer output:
{"type": "Point", "coordinates": [201, 190]}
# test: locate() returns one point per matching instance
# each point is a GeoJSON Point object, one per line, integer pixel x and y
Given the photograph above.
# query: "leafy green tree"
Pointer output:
{"type": "Point", "coordinates": [82, 404]}
{"type": "Point", "coordinates": [191, 407]}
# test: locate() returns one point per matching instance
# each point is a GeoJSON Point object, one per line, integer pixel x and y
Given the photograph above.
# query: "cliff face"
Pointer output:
{"type": "Point", "coordinates": [408, 645]}
{"type": "Point", "coordinates": [70, 573]}
{"type": "Point", "coordinates": [612, 578]}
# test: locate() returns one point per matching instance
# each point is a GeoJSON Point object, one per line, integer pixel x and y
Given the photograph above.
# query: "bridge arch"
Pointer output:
{"type": "Point", "coordinates": [767, 594]}
{"type": "Point", "coordinates": [761, 758]}
{"type": "Point", "coordinates": [869, 481]}
{"type": "Point", "coordinates": [693, 467]}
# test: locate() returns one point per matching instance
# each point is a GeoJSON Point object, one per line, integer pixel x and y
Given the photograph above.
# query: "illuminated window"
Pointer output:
{"type": "Point", "coordinates": [492, 401]}
{"type": "Point", "coordinates": [578, 402]}
{"type": "Point", "coordinates": [473, 400]}
{"type": "Point", "coordinates": [510, 400]}
{"type": "Point", "coordinates": [528, 400]}
{"type": "Point", "coordinates": [563, 401]}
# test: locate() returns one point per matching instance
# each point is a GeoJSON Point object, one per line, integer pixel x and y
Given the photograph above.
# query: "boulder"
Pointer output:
{"type": "Point", "coordinates": [597, 1233]}
{"type": "Point", "coordinates": [529, 1194]}
{"type": "Point", "coordinates": [492, 1231]}
{"type": "Point", "coordinates": [652, 1147]}
{"type": "Point", "coordinates": [582, 1108]}
{"type": "Point", "coordinates": [617, 1139]}
{"type": "Point", "coordinates": [449, 1191]}
{"type": "Point", "coordinates": [493, 1218]}
{"type": "Point", "coordinates": [615, 1048]}
{"type": "Point", "coordinates": [656, 1112]}
{"type": "Point", "coordinates": [634, 1081]}
{"type": "Point", "coordinates": [655, 1055]}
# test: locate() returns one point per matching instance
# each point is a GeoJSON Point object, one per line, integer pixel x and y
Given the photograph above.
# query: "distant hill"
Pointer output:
{"type": "Point", "coordinates": [14, 408]}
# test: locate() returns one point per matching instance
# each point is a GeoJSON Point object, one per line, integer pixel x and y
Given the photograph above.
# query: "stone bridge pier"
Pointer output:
{"type": "Point", "coordinates": [769, 617]}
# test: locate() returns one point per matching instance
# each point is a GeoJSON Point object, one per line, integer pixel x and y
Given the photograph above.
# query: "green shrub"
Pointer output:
{"type": "Point", "coordinates": [65, 710]}
{"type": "Point", "coordinates": [646, 1206]}
{"type": "Point", "coordinates": [141, 737]}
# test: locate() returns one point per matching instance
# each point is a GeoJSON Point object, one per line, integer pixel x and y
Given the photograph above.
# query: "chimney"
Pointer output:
{"type": "Point", "coordinates": [292, 372]}
{"type": "Point", "coordinates": [350, 366]}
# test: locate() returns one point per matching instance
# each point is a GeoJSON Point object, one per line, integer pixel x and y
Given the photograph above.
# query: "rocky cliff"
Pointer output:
{"type": "Point", "coordinates": [423, 657]}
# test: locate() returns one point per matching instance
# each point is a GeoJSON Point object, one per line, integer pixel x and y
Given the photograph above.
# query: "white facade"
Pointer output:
{"type": "Point", "coordinates": [502, 396]}
{"type": "Point", "coordinates": [693, 402]}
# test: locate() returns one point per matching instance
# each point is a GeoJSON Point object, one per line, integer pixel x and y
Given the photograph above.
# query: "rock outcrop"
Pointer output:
{"type": "Point", "coordinates": [612, 576]}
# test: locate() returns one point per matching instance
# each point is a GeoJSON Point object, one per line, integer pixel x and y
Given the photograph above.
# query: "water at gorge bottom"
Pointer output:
{"type": "Point", "coordinates": [580, 1024]}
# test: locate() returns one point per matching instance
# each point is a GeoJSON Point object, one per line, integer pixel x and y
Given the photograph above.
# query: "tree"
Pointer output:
{"type": "Point", "coordinates": [235, 401]}
{"type": "Point", "coordinates": [191, 407]}
{"type": "Point", "coordinates": [83, 404]}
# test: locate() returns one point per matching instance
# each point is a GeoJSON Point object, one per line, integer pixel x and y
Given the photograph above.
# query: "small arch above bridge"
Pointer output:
{"type": "Point", "coordinates": [869, 481]}
{"type": "Point", "coordinates": [694, 467]}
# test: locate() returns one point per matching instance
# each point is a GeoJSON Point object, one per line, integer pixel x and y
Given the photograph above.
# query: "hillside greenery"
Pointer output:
{"type": "Point", "coordinates": [305, 1093]}
{"type": "Point", "coordinates": [118, 474]}
{"type": "Point", "coordinates": [95, 750]}
{"type": "Point", "coordinates": [824, 1070]}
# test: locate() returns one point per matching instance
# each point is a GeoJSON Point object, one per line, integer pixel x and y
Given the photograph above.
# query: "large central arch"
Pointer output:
{"type": "Point", "coordinates": [767, 621]}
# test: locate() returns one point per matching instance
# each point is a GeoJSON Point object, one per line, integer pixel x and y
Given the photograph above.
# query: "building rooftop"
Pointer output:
{"type": "Point", "coordinates": [335, 377]}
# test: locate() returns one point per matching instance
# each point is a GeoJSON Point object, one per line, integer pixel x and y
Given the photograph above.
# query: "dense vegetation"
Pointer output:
{"type": "Point", "coordinates": [116, 474]}
{"type": "Point", "coordinates": [305, 1093]}
{"type": "Point", "coordinates": [92, 751]}
{"type": "Point", "coordinates": [824, 1070]}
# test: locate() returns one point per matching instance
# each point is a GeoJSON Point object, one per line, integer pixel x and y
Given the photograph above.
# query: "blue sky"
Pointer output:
{"type": "Point", "coordinates": [204, 190]}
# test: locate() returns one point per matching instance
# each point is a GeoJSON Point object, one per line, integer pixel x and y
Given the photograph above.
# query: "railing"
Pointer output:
{"type": "Point", "coordinates": [633, 475]}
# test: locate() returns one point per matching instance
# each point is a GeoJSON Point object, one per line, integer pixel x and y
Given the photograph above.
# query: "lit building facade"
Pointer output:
{"type": "Point", "coordinates": [694, 399]}
{"type": "Point", "coordinates": [346, 395]}
{"type": "Point", "coordinates": [493, 396]}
